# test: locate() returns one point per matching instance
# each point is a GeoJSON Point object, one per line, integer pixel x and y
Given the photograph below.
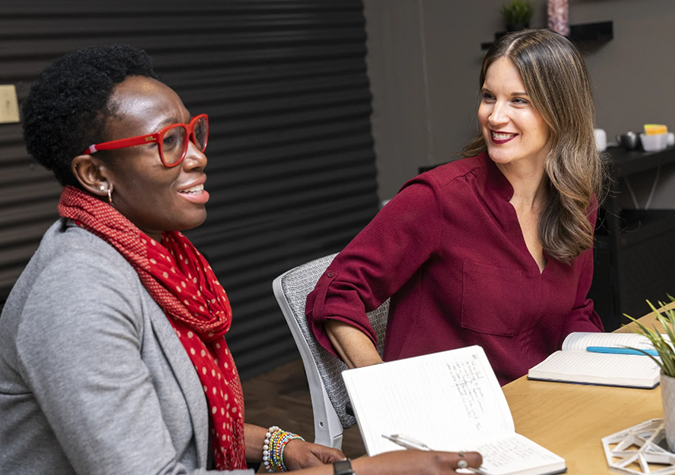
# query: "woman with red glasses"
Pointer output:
{"type": "Point", "coordinates": [112, 350]}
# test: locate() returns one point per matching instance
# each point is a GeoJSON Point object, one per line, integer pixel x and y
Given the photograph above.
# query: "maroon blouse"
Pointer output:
{"type": "Point", "coordinates": [449, 251]}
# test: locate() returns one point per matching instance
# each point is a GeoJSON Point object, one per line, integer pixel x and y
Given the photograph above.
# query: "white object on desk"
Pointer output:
{"type": "Point", "coordinates": [654, 143]}
{"type": "Point", "coordinates": [600, 139]}
{"type": "Point", "coordinates": [646, 437]}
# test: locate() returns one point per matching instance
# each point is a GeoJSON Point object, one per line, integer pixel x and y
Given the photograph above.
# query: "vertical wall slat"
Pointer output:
{"type": "Point", "coordinates": [291, 165]}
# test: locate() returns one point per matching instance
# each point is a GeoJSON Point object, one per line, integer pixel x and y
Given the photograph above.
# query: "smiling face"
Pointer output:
{"type": "Point", "coordinates": [153, 197]}
{"type": "Point", "coordinates": [513, 129]}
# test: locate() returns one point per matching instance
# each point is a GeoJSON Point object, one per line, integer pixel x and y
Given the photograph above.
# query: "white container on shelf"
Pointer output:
{"type": "Point", "coordinates": [600, 139]}
{"type": "Point", "coordinates": [654, 143]}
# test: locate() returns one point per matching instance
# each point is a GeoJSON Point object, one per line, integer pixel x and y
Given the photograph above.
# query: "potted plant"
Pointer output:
{"type": "Point", "coordinates": [666, 362]}
{"type": "Point", "coordinates": [517, 14]}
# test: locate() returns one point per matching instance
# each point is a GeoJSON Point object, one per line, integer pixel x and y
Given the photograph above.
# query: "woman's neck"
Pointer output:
{"type": "Point", "coordinates": [529, 184]}
{"type": "Point", "coordinates": [156, 235]}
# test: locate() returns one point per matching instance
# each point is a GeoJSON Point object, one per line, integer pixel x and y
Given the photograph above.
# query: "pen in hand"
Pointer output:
{"type": "Point", "coordinates": [407, 442]}
{"type": "Point", "coordinates": [410, 443]}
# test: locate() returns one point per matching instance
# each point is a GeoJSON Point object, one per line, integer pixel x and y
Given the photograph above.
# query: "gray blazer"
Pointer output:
{"type": "Point", "coordinates": [93, 379]}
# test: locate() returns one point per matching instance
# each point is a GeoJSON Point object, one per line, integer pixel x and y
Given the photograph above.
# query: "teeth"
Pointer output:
{"type": "Point", "coordinates": [500, 136]}
{"type": "Point", "coordinates": [194, 189]}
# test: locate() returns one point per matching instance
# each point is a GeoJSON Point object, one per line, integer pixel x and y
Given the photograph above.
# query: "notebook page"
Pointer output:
{"type": "Point", "coordinates": [517, 454]}
{"type": "Point", "coordinates": [442, 399]}
{"type": "Point", "coordinates": [600, 368]}
{"type": "Point", "coordinates": [578, 341]}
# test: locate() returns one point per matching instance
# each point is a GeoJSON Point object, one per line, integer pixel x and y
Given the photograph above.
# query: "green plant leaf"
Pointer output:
{"type": "Point", "coordinates": [517, 12]}
{"type": "Point", "coordinates": [662, 345]}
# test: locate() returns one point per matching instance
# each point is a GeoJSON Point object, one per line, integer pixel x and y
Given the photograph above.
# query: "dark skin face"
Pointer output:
{"type": "Point", "coordinates": [153, 197]}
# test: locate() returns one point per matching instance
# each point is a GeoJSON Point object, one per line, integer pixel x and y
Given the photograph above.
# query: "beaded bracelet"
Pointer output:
{"type": "Point", "coordinates": [274, 446]}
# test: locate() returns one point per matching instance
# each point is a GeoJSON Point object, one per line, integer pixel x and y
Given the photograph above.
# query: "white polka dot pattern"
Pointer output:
{"type": "Point", "coordinates": [200, 323]}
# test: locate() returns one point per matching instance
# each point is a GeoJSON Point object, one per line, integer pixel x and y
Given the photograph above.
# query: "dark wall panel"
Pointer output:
{"type": "Point", "coordinates": [291, 167]}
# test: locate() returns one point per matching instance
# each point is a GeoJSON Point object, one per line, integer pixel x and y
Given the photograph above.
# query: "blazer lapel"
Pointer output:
{"type": "Point", "coordinates": [187, 379]}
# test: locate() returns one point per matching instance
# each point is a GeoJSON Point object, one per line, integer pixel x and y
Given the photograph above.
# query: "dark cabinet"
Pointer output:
{"type": "Point", "coordinates": [634, 249]}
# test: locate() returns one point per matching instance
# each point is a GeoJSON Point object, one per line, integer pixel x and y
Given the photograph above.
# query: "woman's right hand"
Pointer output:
{"type": "Point", "coordinates": [417, 462]}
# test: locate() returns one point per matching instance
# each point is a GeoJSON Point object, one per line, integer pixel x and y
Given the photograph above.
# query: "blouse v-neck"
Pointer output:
{"type": "Point", "coordinates": [503, 191]}
{"type": "Point", "coordinates": [450, 252]}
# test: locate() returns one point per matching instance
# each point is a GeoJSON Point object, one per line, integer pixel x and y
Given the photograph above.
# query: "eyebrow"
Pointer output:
{"type": "Point", "coordinates": [165, 123]}
{"type": "Point", "coordinates": [168, 121]}
{"type": "Point", "coordinates": [485, 89]}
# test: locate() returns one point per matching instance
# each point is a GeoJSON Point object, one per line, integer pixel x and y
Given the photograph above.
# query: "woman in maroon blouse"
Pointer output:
{"type": "Point", "coordinates": [495, 249]}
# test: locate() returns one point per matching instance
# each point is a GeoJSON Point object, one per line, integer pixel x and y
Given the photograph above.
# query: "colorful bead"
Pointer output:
{"type": "Point", "coordinates": [273, 448]}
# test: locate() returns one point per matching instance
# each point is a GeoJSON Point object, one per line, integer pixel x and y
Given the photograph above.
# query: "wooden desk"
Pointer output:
{"type": "Point", "coordinates": [571, 419]}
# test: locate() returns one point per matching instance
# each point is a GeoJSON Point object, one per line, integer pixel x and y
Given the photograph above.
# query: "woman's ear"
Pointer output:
{"type": "Point", "coordinates": [92, 174]}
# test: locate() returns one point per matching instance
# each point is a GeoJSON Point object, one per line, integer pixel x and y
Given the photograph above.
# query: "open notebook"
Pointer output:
{"type": "Point", "coordinates": [450, 401]}
{"type": "Point", "coordinates": [574, 364]}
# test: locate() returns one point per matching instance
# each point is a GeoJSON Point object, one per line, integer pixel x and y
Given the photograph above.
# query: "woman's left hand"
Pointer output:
{"type": "Point", "coordinates": [300, 454]}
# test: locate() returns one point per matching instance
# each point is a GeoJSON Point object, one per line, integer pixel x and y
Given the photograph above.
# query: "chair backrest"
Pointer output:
{"type": "Point", "coordinates": [324, 371]}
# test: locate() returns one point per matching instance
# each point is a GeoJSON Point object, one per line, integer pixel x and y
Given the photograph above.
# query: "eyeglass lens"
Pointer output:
{"type": "Point", "coordinates": [174, 143]}
{"type": "Point", "coordinates": [201, 133]}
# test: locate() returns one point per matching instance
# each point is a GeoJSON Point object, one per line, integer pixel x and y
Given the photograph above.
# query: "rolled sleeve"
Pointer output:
{"type": "Point", "coordinates": [378, 261]}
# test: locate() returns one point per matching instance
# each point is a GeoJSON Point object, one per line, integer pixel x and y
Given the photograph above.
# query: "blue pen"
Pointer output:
{"type": "Point", "coordinates": [619, 351]}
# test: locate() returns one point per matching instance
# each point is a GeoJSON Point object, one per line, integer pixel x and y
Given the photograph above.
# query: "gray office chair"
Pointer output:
{"type": "Point", "coordinates": [324, 371]}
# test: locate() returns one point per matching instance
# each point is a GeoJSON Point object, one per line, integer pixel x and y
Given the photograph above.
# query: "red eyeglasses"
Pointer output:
{"type": "Point", "coordinates": [172, 141]}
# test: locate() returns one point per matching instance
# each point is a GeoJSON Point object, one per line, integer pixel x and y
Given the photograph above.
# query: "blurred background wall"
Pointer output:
{"type": "Point", "coordinates": [424, 58]}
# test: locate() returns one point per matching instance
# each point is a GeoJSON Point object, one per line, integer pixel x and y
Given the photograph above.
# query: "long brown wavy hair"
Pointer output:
{"type": "Point", "coordinates": [556, 80]}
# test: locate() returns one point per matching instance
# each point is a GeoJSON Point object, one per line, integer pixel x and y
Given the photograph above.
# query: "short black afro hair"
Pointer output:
{"type": "Point", "coordinates": [67, 107]}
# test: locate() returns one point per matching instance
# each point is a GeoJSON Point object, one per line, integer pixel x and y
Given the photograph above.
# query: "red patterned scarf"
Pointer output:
{"type": "Point", "coordinates": [182, 283]}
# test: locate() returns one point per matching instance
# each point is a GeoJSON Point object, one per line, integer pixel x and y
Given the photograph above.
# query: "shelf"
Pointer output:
{"type": "Point", "coordinates": [583, 33]}
{"type": "Point", "coordinates": [626, 162]}
{"type": "Point", "coordinates": [588, 32]}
